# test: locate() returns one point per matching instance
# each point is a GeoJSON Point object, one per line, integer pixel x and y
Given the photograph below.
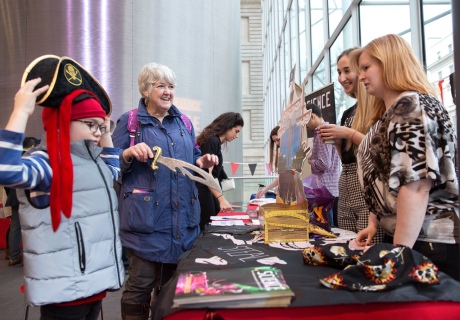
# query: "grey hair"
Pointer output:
{"type": "Point", "coordinates": [150, 74]}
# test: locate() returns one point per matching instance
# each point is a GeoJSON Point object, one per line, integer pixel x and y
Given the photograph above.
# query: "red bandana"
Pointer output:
{"type": "Point", "coordinates": [56, 122]}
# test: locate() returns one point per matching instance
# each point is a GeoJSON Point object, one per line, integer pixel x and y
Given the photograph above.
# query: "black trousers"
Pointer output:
{"type": "Point", "coordinates": [209, 205]}
{"type": "Point", "coordinates": [86, 311]}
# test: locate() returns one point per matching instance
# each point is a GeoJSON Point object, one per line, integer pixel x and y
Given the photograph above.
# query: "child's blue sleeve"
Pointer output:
{"type": "Point", "coordinates": [29, 172]}
{"type": "Point", "coordinates": [111, 158]}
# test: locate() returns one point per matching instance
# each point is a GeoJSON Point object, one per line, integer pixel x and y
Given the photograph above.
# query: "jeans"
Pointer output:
{"type": "Point", "coordinates": [332, 214]}
{"type": "Point", "coordinates": [14, 236]}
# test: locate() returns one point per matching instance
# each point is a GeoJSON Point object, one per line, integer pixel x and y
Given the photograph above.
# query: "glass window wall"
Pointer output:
{"type": "Point", "coordinates": [344, 41]}
{"type": "Point", "coordinates": [281, 69]}
{"type": "Point", "coordinates": [301, 37]}
{"type": "Point", "coordinates": [336, 9]}
{"type": "Point", "coordinates": [375, 19]}
{"type": "Point", "coordinates": [437, 21]}
{"type": "Point", "coordinates": [319, 77]}
{"type": "Point", "coordinates": [316, 28]}
{"type": "Point", "coordinates": [294, 42]}
{"type": "Point", "coordinates": [280, 16]}
{"type": "Point", "coordinates": [287, 57]}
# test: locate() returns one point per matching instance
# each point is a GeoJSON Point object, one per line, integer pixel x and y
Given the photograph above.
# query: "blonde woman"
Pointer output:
{"type": "Point", "coordinates": [407, 161]}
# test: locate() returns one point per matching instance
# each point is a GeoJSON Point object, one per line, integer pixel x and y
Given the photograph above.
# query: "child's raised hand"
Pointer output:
{"type": "Point", "coordinates": [107, 124]}
{"type": "Point", "coordinates": [106, 138]}
{"type": "Point", "coordinates": [25, 98]}
{"type": "Point", "coordinates": [24, 105]}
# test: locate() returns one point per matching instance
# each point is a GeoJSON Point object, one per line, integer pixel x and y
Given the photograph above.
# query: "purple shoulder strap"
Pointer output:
{"type": "Point", "coordinates": [188, 124]}
{"type": "Point", "coordinates": [132, 126]}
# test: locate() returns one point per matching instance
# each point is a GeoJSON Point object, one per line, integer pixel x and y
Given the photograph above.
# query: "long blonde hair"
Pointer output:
{"type": "Point", "coordinates": [401, 71]}
{"type": "Point", "coordinates": [363, 111]}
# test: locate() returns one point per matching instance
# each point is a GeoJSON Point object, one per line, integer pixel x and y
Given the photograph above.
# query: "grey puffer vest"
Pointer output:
{"type": "Point", "coordinates": [83, 257]}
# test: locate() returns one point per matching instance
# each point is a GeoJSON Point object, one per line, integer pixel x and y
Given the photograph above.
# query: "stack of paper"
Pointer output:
{"type": "Point", "coordinates": [230, 219]}
{"type": "Point", "coordinates": [261, 201]}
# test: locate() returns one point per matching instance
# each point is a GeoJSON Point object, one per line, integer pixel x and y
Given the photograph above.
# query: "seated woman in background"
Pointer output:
{"type": "Point", "coordinates": [225, 128]}
{"type": "Point", "coordinates": [353, 213]}
{"type": "Point", "coordinates": [274, 150]}
{"type": "Point", "coordinates": [407, 160]}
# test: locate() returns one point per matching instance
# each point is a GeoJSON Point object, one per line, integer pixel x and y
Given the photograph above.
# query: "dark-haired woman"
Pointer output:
{"type": "Point", "coordinates": [225, 128]}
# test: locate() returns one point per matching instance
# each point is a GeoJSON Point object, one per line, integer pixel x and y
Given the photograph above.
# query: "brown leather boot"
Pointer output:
{"type": "Point", "coordinates": [13, 262]}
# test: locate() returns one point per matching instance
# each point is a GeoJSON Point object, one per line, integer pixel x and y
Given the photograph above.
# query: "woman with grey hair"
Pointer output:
{"type": "Point", "coordinates": [159, 210]}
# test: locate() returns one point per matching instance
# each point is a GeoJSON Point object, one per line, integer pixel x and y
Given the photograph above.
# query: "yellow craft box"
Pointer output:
{"type": "Point", "coordinates": [285, 223]}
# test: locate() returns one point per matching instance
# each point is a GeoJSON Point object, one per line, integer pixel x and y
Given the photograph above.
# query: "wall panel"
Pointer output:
{"type": "Point", "coordinates": [113, 39]}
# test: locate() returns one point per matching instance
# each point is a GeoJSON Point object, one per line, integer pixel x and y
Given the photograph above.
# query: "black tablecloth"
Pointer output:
{"type": "Point", "coordinates": [302, 279]}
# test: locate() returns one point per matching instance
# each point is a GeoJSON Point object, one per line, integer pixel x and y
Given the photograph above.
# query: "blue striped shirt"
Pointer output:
{"type": "Point", "coordinates": [33, 171]}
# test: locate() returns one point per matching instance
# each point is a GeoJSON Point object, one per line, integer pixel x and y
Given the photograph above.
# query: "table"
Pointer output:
{"type": "Point", "coordinates": [312, 300]}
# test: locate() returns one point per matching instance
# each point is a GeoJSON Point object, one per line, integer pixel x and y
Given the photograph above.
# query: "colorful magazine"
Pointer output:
{"type": "Point", "coordinates": [253, 287]}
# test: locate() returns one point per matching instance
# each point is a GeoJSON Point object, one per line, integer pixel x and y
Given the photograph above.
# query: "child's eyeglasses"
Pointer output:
{"type": "Point", "coordinates": [94, 126]}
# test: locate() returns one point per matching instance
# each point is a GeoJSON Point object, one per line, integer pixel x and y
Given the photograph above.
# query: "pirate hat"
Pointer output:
{"type": "Point", "coordinates": [68, 82]}
{"type": "Point", "coordinates": [64, 75]}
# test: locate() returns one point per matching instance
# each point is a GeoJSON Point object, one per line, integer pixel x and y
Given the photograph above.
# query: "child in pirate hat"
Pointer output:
{"type": "Point", "coordinates": [68, 212]}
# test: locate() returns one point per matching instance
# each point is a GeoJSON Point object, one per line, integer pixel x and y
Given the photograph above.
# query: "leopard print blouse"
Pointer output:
{"type": "Point", "coordinates": [413, 140]}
